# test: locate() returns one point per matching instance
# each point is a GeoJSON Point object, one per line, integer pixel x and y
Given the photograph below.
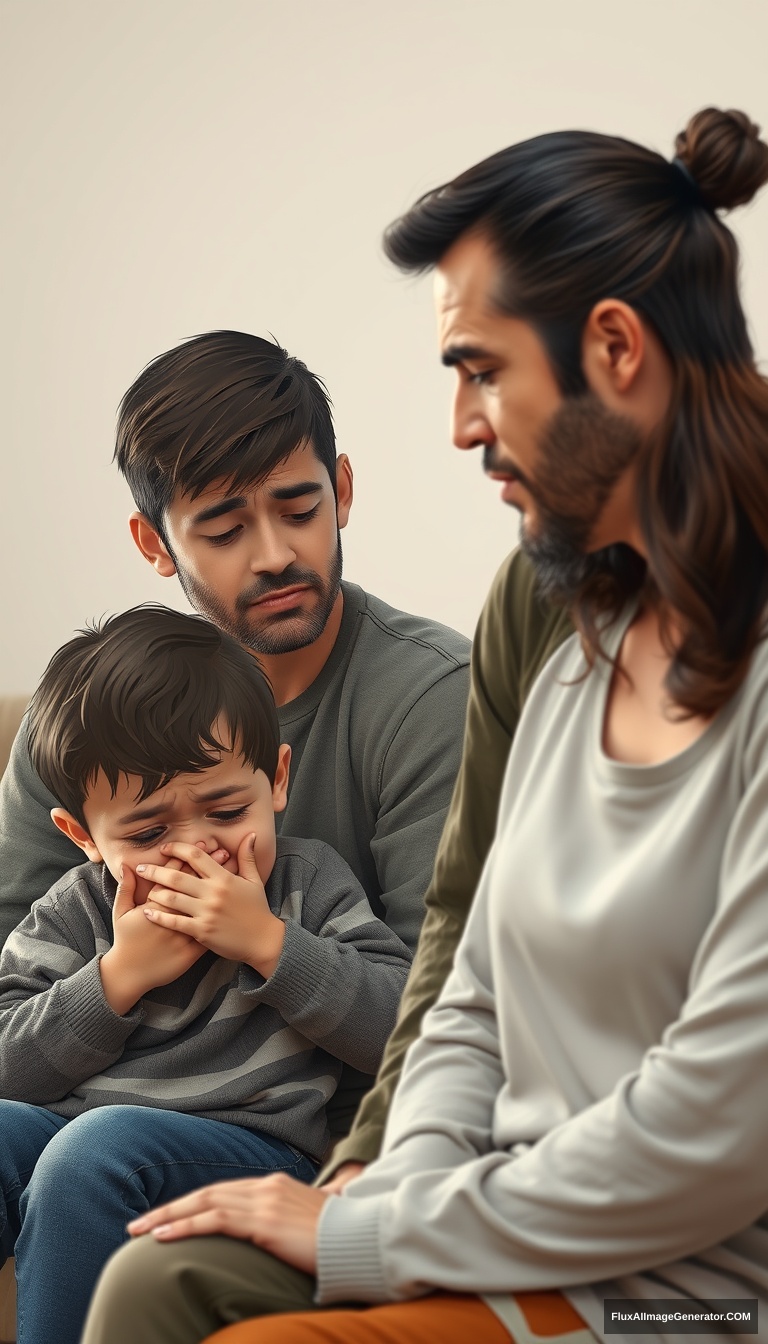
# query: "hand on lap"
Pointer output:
{"type": "Point", "coordinates": [275, 1212]}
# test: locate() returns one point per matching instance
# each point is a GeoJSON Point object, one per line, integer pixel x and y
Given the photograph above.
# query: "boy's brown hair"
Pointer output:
{"type": "Point", "coordinates": [142, 694]}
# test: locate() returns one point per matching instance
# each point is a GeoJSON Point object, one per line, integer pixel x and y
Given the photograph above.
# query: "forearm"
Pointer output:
{"type": "Point", "coordinates": [56, 1038]}
{"type": "Point", "coordinates": [122, 985]}
{"type": "Point", "coordinates": [337, 996]}
{"type": "Point", "coordinates": [580, 1207]}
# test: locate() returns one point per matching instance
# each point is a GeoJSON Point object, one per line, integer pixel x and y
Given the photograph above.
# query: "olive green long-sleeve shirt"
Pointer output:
{"type": "Point", "coordinates": [517, 633]}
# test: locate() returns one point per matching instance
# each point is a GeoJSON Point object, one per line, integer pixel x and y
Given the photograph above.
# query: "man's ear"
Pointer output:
{"type": "Point", "coordinates": [280, 786]}
{"type": "Point", "coordinates": [151, 544]}
{"type": "Point", "coordinates": [613, 350]}
{"type": "Point", "coordinates": [625, 363]}
{"type": "Point", "coordinates": [75, 832]}
{"type": "Point", "coordinates": [344, 489]}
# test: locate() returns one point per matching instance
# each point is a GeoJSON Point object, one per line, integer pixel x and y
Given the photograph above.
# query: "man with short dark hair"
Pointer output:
{"type": "Point", "coordinates": [227, 443]}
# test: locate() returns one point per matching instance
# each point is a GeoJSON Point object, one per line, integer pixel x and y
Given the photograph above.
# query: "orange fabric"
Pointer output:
{"type": "Point", "coordinates": [548, 1314]}
{"type": "Point", "coordinates": [444, 1317]}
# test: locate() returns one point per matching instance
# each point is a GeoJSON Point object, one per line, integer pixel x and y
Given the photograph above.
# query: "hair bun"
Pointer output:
{"type": "Point", "coordinates": [725, 156]}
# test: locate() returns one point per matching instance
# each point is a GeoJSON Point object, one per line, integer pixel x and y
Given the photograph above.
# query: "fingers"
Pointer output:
{"type": "Point", "coordinates": [174, 901]}
{"type": "Point", "coordinates": [214, 1221]}
{"type": "Point", "coordinates": [178, 923]}
{"type": "Point", "coordinates": [219, 856]}
{"type": "Point", "coordinates": [246, 859]}
{"type": "Point", "coordinates": [163, 876]}
{"type": "Point", "coordinates": [199, 1201]}
{"type": "Point", "coordinates": [194, 855]}
{"type": "Point", "coordinates": [276, 1212]}
{"type": "Point", "coordinates": [126, 890]}
{"type": "Point", "coordinates": [244, 1208]}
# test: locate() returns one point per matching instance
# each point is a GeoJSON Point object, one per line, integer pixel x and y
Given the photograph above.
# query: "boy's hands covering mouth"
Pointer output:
{"type": "Point", "coordinates": [139, 959]}
{"type": "Point", "coordinates": [225, 912]}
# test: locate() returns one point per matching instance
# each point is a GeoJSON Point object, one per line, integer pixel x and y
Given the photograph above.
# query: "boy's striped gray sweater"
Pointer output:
{"type": "Point", "coordinates": [221, 1041]}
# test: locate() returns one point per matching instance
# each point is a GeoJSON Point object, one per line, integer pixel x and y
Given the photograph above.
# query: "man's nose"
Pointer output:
{"type": "Point", "coordinates": [273, 552]}
{"type": "Point", "coordinates": [469, 425]}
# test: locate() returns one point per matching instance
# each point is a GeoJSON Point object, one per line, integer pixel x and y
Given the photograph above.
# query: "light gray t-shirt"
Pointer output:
{"type": "Point", "coordinates": [587, 1106]}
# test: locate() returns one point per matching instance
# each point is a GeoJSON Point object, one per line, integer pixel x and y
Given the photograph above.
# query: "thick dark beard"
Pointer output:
{"type": "Point", "coordinates": [583, 451]}
{"type": "Point", "coordinates": [286, 632]}
{"type": "Point", "coordinates": [560, 568]}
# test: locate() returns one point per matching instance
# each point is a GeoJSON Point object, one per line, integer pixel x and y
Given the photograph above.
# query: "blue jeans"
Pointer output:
{"type": "Point", "coordinates": [68, 1188]}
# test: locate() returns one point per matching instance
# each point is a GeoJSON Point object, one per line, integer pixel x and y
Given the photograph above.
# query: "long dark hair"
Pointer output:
{"type": "Point", "coordinates": [577, 217]}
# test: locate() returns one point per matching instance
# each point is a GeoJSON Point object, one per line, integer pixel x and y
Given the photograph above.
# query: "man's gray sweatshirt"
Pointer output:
{"type": "Point", "coordinates": [221, 1041]}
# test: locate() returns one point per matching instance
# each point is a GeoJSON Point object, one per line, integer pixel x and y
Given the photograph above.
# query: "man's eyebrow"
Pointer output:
{"type": "Point", "coordinates": [216, 510]}
{"type": "Point", "coordinates": [457, 354]}
{"type": "Point", "coordinates": [294, 491]}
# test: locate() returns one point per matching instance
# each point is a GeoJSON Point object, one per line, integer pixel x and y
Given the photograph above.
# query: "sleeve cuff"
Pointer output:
{"type": "Point", "coordinates": [349, 1263]}
{"type": "Point", "coordinates": [298, 980]}
{"type": "Point", "coordinates": [88, 1016]}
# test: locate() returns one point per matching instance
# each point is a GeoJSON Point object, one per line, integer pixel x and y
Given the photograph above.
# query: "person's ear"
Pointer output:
{"type": "Point", "coordinates": [613, 348]}
{"type": "Point", "coordinates": [280, 786]}
{"type": "Point", "coordinates": [344, 489]}
{"type": "Point", "coordinates": [151, 544]}
{"type": "Point", "coordinates": [76, 833]}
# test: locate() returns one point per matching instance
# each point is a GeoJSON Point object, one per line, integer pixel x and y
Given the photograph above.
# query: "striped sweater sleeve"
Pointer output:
{"type": "Point", "coordinates": [342, 971]}
{"type": "Point", "coordinates": [56, 1027]}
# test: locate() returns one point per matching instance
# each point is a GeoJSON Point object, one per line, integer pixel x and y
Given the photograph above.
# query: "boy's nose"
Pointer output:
{"type": "Point", "coordinates": [214, 850]}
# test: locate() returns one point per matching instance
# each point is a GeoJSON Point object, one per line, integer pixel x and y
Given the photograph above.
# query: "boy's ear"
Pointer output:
{"type": "Point", "coordinates": [151, 544]}
{"type": "Point", "coordinates": [74, 832]}
{"type": "Point", "coordinates": [280, 786]}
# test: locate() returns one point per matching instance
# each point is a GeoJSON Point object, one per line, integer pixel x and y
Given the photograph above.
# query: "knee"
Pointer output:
{"type": "Point", "coordinates": [138, 1265]}
{"type": "Point", "coordinates": [82, 1156]}
{"type": "Point", "coordinates": [93, 1139]}
{"type": "Point", "coordinates": [133, 1276]}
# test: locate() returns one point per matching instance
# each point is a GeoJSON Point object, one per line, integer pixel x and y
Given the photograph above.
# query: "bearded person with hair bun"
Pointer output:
{"type": "Point", "coordinates": [583, 1113]}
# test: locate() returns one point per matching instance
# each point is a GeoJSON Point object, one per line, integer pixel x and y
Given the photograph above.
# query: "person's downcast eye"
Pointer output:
{"type": "Point", "coordinates": [304, 517]}
{"type": "Point", "coordinates": [483, 377]}
{"type": "Point", "coordinates": [147, 837]}
{"type": "Point", "coordinates": [151, 837]}
{"type": "Point", "coordinates": [222, 538]}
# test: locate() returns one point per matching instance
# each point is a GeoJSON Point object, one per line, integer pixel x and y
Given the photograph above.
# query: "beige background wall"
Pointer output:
{"type": "Point", "coordinates": [170, 166]}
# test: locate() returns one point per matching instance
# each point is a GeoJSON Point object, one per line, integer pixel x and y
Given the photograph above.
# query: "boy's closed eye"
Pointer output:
{"type": "Point", "coordinates": [224, 816]}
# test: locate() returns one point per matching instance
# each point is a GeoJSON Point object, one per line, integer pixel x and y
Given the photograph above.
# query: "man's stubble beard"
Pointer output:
{"type": "Point", "coordinates": [285, 632]}
{"type": "Point", "coordinates": [583, 451]}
